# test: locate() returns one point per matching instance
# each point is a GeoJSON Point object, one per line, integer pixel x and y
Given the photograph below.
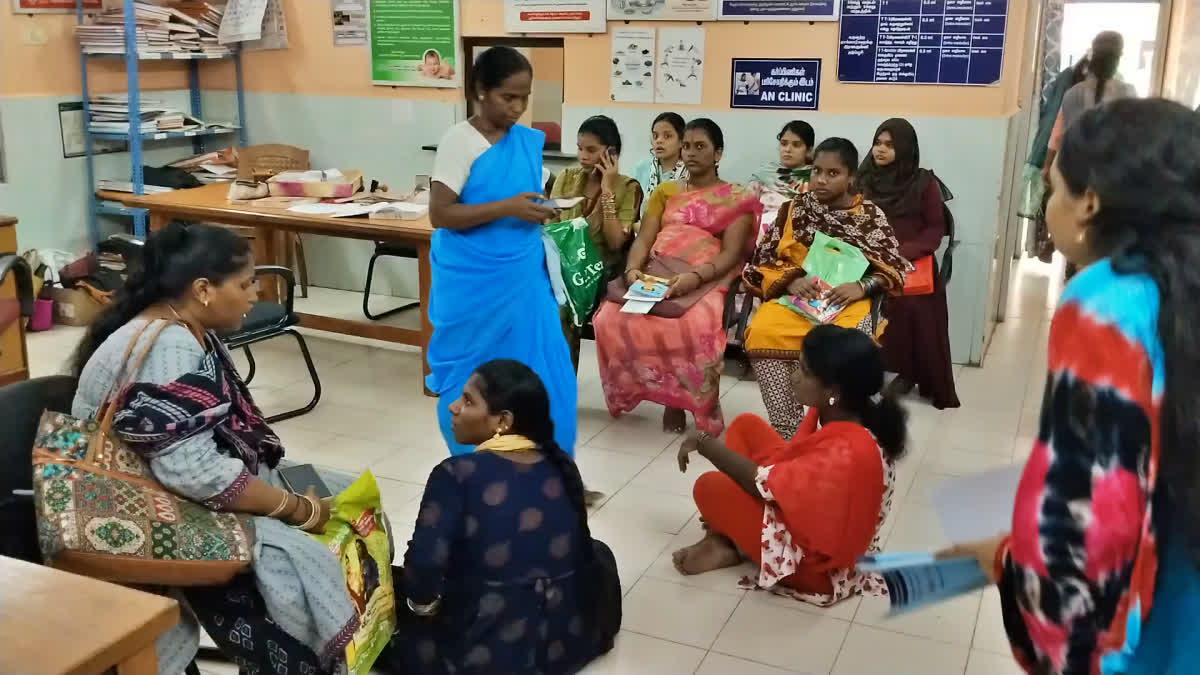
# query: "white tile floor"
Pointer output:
{"type": "Point", "coordinates": [373, 415]}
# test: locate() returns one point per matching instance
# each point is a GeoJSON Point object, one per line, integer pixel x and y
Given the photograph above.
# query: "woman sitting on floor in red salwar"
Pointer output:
{"type": "Point", "coordinates": [804, 510]}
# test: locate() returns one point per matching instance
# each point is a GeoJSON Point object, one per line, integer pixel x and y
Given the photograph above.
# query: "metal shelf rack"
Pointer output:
{"type": "Point", "coordinates": [136, 140]}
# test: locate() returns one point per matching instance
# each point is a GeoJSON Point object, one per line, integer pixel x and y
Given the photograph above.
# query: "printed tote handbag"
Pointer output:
{"type": "Point", "coordinates": [103, 515]}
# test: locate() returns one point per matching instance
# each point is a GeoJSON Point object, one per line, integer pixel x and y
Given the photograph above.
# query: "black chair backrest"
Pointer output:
{"type": "Point", "coordinates": [23, 404]}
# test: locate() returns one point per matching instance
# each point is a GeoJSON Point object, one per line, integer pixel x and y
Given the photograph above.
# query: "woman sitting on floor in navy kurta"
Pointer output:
{"type": "Point", "coordinates": [490, 582]}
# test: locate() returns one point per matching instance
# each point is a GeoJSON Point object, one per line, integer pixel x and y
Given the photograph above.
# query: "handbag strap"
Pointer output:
{"type": "Point", "coordinates": [130, 367]}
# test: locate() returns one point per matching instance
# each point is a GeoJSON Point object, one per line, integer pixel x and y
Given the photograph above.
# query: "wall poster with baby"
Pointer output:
{"type": "Point", "coordinates": [414, 43]}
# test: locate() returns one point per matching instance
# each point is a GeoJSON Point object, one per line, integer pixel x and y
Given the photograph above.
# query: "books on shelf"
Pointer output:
{"type": "Point", "coordinates": [160, 31]}
{"type": "Point", "coordinates": [109, 113]}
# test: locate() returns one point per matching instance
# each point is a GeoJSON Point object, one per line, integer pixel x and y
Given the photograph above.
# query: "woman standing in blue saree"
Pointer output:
{"type": "Point", "coordinates": [491, 296]}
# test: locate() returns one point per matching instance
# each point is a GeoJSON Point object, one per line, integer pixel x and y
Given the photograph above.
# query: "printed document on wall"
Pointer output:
{"type": "Point", "coordinates": [631, 69]}
{"type": "Point", "coordinates": [349, 22]}
{"type": "Point", "coordinates": [662, 10]}
{"type": "Point", "coordinates": [414, 43]}
{"type": "Point", "coordinates": [680, 77]}
{"type": "Point", "coordinates": [274, 29]}
{"type": "Point", "coordinates": [564, 16]}
{"type": "Point", "coordinates": [242, 20]}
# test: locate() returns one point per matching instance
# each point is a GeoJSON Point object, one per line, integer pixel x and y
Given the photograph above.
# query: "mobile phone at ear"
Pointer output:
{"type": "Point", "coordinates": [303, 476]}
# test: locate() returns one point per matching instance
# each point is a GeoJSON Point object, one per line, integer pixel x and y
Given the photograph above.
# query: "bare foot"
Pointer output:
{"type": "Point", "coordinates": [674, 421]}
{"type": "Point", "coordinates": [711, 553]}
{"type": "Point", "coordinates": [679, 556]}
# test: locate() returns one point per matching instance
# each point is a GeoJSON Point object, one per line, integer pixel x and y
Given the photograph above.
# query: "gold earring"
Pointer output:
{"type": "Point", "coordinates": [498, 434]}
{"type": "Point", "coordinates": [1080, 236]}
{"type": "Point", "coordinates": [205, 303]}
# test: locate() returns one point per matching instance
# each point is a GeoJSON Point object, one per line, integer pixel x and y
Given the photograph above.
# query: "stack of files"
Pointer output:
{"type": "Point", "coordinates": [110, 114]}
{"type": "Point", "coordinates": [210, 167]}
{"type": "Point", "coordinates": [205, 17]}
{"type": "Point", "coordinates": [160, 31]}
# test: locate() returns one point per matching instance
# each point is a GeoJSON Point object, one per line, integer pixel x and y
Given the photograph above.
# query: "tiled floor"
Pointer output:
{"type": "Point", "coordinates": [373, 416]}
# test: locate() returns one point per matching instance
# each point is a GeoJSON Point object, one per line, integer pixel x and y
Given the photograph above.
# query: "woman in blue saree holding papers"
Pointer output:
{"type": "Point", "coordinates": [491, 296]}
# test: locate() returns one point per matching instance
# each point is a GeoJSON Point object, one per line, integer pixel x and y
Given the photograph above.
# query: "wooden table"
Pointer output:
{"type": "Point", "coordinates": [54, 622]}
{"type": "Point", "coordinates": [208, 204]}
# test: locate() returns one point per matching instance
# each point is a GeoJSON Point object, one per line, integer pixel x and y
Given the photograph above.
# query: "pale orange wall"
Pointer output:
{"type": "Point", "coordinates": [312, 65]}
{"type": "Point", "coordinates": [53, 68]}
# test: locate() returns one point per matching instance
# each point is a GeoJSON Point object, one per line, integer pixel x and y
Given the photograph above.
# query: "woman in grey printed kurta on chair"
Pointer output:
{"type": "Point", "coordinates": [291, 613]}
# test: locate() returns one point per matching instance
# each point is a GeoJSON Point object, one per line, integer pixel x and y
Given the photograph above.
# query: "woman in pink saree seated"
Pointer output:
{"type": "Point", "coordinates": [696, 233]}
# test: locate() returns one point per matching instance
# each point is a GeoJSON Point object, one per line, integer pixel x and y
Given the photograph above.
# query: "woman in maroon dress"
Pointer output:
{"type": "Point", "coordinates": [916, 343]}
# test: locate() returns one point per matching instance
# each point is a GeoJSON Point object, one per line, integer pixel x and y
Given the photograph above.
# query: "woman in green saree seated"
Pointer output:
{"type": "Point", "coordinates": [610, 205]}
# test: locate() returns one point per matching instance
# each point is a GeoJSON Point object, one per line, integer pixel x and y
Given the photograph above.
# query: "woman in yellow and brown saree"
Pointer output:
{"type": "Point", "coordinates": [776, 333]}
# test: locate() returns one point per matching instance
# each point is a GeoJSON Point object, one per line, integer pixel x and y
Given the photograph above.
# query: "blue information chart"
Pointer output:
{"type": "Point", "coordinates": [922, 41]}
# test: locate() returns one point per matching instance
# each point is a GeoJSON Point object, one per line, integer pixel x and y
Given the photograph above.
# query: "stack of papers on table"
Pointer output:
{"type": "Point", "coordinates": [313, 176]}
{"type": "Point", "coordinates": [643, 295]}
{"type": "Point", "coordinates": [379, 210]}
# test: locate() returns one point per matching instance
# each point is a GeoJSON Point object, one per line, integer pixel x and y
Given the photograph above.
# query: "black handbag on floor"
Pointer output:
{"type": "Point", "coordinates": [604, 582]}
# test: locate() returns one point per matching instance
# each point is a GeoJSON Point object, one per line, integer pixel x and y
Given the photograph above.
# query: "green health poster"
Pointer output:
{"type": "Point", "coordinates": [414, 43]}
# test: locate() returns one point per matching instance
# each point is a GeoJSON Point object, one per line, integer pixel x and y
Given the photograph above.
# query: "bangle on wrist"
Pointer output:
{"type": "Point", "coordinates": [283, 504]}
{"type": "Point", "coordinates": [314, 514]}
{"type": "Point", "coordinates": [291, 513]}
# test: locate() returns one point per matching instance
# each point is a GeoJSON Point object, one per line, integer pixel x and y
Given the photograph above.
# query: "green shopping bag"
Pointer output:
{"type": "Point", "coordinates": [357, 535]}
{"type": "Point", "coordinates": [580, 264]}
{"type": "Point", "coordinates": [834, 261]}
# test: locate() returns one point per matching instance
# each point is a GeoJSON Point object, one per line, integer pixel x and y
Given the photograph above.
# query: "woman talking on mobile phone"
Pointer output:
{"type": "Point", "coordinates": [610, 203]}
{"type": "Point", "coordinates": [491, 295]}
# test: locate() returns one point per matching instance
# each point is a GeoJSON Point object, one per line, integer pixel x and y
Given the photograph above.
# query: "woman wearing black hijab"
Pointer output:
{"type": "Point", "coordinates": [916, 343]}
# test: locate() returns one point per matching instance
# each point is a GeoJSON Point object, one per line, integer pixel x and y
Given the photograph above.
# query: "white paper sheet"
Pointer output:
{"type": "Point", "coordinates": [977, 506]}
{"type": "Point", "coordinates": [637, 307]}
{"type": "Point", "coordinates": [219, 169]}
{"type": "Point", "coordinates": [242, 21]}
{"type": "Point", "coordinates": [680, 66]}
{"type": "Point", "coordinates": [631, 66]}
{"type": "Point", "coordinates": [309, 176]}
{"type": "Point", "coordinates": [274, 29]}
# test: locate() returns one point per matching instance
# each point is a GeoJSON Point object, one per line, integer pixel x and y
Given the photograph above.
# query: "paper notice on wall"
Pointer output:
{"type": "Point", "coordinates": [631, 69]}
{"type": "Point", "coordinates": [349, 22]}
{"type": "Point", "coordinates": [242, 21]}
{"type": "Point", "coordinates": [662, 10]}
{"type": "Point", "coordinates": [274, 29]}
{"type": "Point", "coordinates": [564, 16]}
{"type": "Point", "coordinates": [680, 66]}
